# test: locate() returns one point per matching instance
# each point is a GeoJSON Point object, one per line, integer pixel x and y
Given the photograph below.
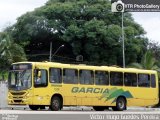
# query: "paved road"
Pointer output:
{"type": "Point", "coordinates": [79, 113]}
{"type": "Point", "coordinates": [80, 108]}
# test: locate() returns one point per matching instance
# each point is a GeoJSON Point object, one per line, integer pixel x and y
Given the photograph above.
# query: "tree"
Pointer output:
{"type": "Point", "coordinates": [148, 62]}
{"type": "Point", "coordinates": [155, 47]}
{"type": "Point", "coordinates": [86, 27]}
{"type": "Point", "coordinates": [9, 51]}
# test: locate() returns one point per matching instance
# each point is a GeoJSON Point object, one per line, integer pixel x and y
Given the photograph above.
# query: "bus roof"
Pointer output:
{"type": "Point", "coordinates": [84, 66]}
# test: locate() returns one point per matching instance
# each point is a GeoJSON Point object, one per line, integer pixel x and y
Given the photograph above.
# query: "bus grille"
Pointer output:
{"type": "Point", "coordinates": [18, 93]}
{"type": "Point", "coordinates": [17, 100]}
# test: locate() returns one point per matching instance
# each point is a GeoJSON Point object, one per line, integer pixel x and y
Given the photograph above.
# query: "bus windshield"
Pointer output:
{"type": "Point", "coordinates": [19, 79]}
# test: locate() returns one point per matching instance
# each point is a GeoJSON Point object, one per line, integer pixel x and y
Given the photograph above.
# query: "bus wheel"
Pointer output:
{"type": "Point", "coordinates": [120, 104]}
{"type": "Point", "coordinates": [34, 107]}
{"type": "Point", "coordinates": [99, 108]}
{"type": "Point", "coordinates": [56, 104]}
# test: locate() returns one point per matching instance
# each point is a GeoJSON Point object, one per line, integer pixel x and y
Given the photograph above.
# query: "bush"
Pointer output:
{"type": "Point", "coordinates": [3, 75]}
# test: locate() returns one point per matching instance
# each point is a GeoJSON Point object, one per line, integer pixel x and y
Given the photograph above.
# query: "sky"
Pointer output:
{"type": "Point", "coordinates": [12, 9]}
{"type": "Point", "coordinates": [150, 21]}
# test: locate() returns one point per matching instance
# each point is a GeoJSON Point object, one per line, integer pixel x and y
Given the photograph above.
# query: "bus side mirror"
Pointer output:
{"type": "Point", "coordinates": [37, 72]}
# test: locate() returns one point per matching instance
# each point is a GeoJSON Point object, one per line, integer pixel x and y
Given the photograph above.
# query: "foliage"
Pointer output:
{"type": "Point", "coordinates": [86, 27]}
{"type": "Point", "coordinates": [9, 51]}
{"type": "Point", "coordinates": [148, 62]}
{"type": "Point", "coordinates": [155, 47]}
{"type": "Point", "coordinates": [3, 75]}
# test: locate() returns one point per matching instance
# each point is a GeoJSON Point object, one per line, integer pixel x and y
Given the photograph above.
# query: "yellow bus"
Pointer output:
{"type": "Point", "coordinates": [40, 84]}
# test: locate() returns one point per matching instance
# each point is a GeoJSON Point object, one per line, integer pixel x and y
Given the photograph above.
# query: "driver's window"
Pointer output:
{"type": "Point", "coordinates": [40, 78]}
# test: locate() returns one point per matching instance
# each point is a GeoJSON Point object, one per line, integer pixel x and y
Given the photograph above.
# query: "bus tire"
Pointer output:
{"type": "Point", "coordinates": [34, 107]}
{"type": "Point", "coordinates": [56, 103]}
{"type": "Point", "coordinates": [120, 104]}
{"type": "Point", "coordinates": [99, 108]}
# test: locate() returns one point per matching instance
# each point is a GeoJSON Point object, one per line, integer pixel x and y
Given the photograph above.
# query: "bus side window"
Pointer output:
{"type": "Point", "coordinates": [86, 77]}
{"type": "Point", "coordinates": [116, 78]}
{"type": "Point", "coordinates": [101, 78]}
{"type": "Point", "coordinates": [55, 75]}
{"type": "Point", "coordinates": [130, 79]}
{"type": "Point", "coordinates": [153, 81]}
{"type": "Point", "coordinates": [143, 80]}
{"type": "Point", "coordinates": [70, 76]}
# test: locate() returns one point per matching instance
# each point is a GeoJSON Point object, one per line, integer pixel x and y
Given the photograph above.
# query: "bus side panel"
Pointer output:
{"type": "Point", "coordinates": [142, 96]}
{"type": "Point", "coordinates": [41, 96]}
{"type": "Point", "coordinates": [69, 98]}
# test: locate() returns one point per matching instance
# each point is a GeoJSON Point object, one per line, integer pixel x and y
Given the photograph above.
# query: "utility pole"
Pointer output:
{"type": "Point", "coordinates": [123, 42]}
{"type": "Point", "coordinates": [119, 6]}
{"type": "Point", "coordinates": [50, 54]}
